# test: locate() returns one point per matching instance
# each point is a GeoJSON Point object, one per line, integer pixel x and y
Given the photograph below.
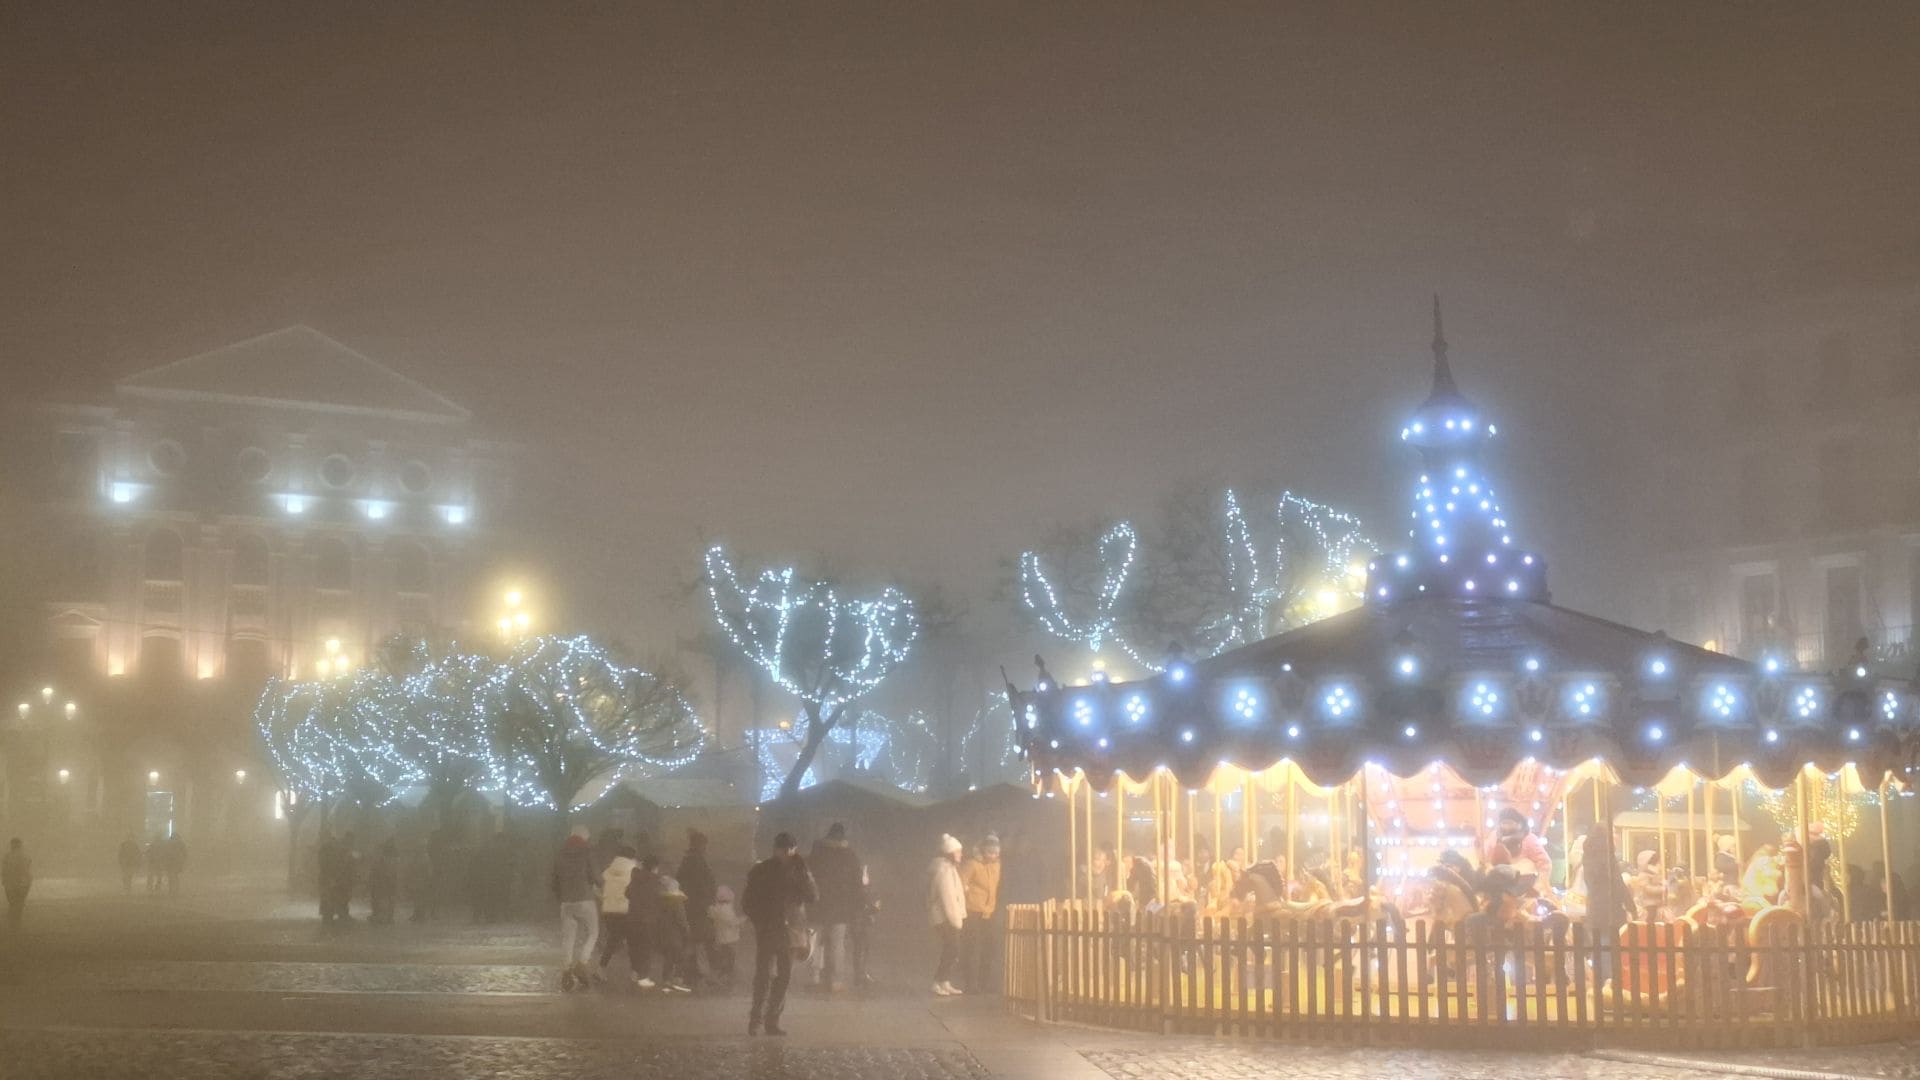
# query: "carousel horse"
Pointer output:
{"type": "Point", "coordinates": [1650, 983]}
{"type": "Point", "coordinates": [1773, 925]}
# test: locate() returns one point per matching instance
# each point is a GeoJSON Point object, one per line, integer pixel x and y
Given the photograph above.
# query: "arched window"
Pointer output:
{"type": "Point", "coordinates": [162, 658]}
{"type": "Point", "coordinates": [248, 663]}
{"type": "Point", "coordinates": [332, 565]}
{"type": "Point", "coordinates": [164, 557]}
{"type": "Point", "coordinates": [412, 570]}
{"type": "Point", "coordinates": [250, 561]}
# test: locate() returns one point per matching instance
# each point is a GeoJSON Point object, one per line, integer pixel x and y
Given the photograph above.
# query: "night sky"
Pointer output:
{"type": "Point", "coordinates": [901, 286]}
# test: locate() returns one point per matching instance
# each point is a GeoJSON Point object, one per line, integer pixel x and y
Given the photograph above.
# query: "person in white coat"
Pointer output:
{"type": "Point", "coordinates": [947, 912]}
{"type": "Point", "coordinates": [615, 922]}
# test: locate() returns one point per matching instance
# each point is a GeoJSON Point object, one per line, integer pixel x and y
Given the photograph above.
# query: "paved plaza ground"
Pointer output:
{"type": "Point", "coordinates": [232, 981]}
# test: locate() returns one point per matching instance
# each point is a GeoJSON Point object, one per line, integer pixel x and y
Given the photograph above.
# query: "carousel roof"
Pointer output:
{"type": "Point", "coordinates": [1459, 656]}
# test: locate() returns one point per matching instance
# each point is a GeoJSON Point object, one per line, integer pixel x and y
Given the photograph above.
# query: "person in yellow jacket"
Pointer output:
{"type": "Point", "coordinates": [980, 878]}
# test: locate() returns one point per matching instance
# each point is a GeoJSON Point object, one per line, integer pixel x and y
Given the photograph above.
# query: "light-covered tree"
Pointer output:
{"type": "Point", "coordinates": [562, 713]}
{"type": "Point", "coordinates": [811, 643]}
{"type": "Point", "coordinates": [1208, 576]}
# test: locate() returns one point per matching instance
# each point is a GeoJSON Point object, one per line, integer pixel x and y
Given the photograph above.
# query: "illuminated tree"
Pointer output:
{"type": "Point", "coordinates": [561, 713]}
{"type": "Point", "coordinates": [823, 650]}
{"type": "Point", "coordinates": [443, 729]}
{"type": "Point", "coordinates": [332, 741]}
{"type": "Point", "coordinates": [1208, 578]}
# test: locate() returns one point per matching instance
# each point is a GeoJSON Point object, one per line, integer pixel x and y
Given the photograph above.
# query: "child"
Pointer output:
{"type": "Point", "coordinates": [726, 935]}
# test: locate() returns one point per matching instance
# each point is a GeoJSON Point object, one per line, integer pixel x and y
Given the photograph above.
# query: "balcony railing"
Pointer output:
{"type": "Point", "coordinates": [164, 596]}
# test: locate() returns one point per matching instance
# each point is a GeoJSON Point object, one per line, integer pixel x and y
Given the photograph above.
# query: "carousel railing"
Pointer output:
{"type": "Point", "coordinates": [1656, 985]}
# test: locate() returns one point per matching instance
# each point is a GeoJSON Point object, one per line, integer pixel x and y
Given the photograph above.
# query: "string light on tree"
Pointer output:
{"type": "Point", "coordinates": [824, 650]}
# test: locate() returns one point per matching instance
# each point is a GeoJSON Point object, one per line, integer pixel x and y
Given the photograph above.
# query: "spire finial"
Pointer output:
{"type": "Point", "coordinates": [1442, 374]}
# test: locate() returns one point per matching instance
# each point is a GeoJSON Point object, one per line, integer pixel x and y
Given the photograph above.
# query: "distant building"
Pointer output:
{"type": "Point", "coordinates": [1786, 499]}
{"type": "Point", "coordinates": [279, 506]}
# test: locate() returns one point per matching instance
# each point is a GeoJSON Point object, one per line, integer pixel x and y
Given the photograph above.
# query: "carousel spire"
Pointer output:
{"type": "Point", "coordinates": [1462, 545]}
{"type": "Point", "coordinates": [1442, 373]}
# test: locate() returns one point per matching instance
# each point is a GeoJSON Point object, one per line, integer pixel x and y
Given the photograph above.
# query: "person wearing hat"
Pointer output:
{"type": "Point", "coordinates": [1513, 843]}
{"type": "Point", "coordinates": [946, 912]}
{"type": "Point", "coordinates": [980, 878]}
{"type": "Point", "coordinates": [1650, 887]}
{"type": "Point", "coordinates": [779, 888]}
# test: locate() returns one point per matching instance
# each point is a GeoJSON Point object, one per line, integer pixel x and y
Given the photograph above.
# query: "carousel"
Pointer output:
{"type": "Point", "coordinates": [1459, 806]}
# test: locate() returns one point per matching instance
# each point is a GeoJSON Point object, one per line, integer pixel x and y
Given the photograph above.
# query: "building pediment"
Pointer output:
{"type": "Point", "coordinates": [297, 367]}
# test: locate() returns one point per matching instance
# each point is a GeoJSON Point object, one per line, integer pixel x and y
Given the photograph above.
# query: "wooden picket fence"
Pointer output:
{"type": "Point", "coordinates": [1328, 982]}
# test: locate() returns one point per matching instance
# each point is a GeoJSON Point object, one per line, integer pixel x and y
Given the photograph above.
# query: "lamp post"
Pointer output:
{"type": "Point", "coordinates": [38, 720]}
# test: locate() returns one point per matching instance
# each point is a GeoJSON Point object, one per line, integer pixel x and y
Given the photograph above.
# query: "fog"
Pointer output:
{"type": "Point", "coordinates": [902, 289]}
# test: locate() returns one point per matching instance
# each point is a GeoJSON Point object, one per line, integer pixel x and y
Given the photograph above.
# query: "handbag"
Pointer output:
{"type": "Point", "coordinates": [800, 936]}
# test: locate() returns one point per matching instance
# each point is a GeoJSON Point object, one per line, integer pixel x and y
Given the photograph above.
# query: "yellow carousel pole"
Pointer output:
{"type": "Point", "coordinates": [1733, 808]}
{"type": "Point", "coordinates": [1840, 845]}
{"type": "Point", "coordinates": [1693, 826]}
{"type": "Point", "coordinates": [1159, 838]}
{"type": "Point", "coordinates": [1806, 840]}
{"type": "Point", "coordinates": [1192, 796]}
{"type": "Point", "coordinates": [1293, 817]}
{"type": "Point", "coordinates": [1073, 851]}
{"type": "Point", "coordinates": [1660, 825]}
{"type": "Point", "coordinates": [1886, 841]}
{"type": "Point", "coordinates": [1706, 800]}
{"type": "Point", "coordinates": [1218, 851]}
{"type": "Point", "coordinates": [1336, 861]}
{"type": "Point", "coordinates": [1091, 898]}
{"type": "Point", "coordinates": [1249, 825]}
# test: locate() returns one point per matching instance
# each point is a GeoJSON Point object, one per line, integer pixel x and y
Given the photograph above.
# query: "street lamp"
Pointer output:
{"type": "Point", "coordinates": [515, 622]}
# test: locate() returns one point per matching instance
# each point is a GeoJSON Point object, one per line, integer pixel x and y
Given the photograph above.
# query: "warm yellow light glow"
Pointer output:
{"type": "Point", "coordinates": [1328, 600]}
{"type": "Point", "coordinates": [1711, 644]}
{"type": "Point", "coordinates": [1357, 571]}
{"type": "Point", "coordinates": [65, 776]}
{"type": "Point", "coordinates": [521, 620]}
{"type": "Point", "coordinates": [1099, 665]}
{"type": "Point", "coordinates": [71, 709]}
{"type": "Point", "coordinates": [342, 664]}
{"type": "Point", "coordinates": [333, 645]}
{"type": "Point", "coordinates": [46, 694]}
{"type": "Point", "coordinates": [321, 667]}
{"type": "Point", "coordinates": [25, 709]}
{"type": "Point", "coordinates": [786, 725]}
{"type": "Point", "coordinates": [506, 626]}
{"type": "Point", "coordinates": [513, 598]}
{"type": "Point", "coordinates": [239, 776]}
{"type": "Point", "coordinates": [153, 777]}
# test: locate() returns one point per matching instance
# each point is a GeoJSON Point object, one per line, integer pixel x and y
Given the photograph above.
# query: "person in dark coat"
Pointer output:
{"type": "Point", "coordinates": [836, 869]}
{"type": "Point", "coordinates": [779, 888]}
{"type": "Point", "coordinates": [16, 880]}
{"type": "Point", "coordinates": [643, 918]}
{"type": "Point", "coordinates": [173, 862]}
{"type": "Point", "coordinates": [129, 855]}
{"type": "Point", "coordinates": [383, 883]}
{"type": "Point", "coordinates": [696, 880]}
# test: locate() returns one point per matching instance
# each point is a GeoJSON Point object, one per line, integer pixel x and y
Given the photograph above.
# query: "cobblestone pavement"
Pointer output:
{"type": "Point", "coordinates": [317, 978]}
{"type": "Point", "coordinates": [1244, 1061]}
{"type": "Point", "coordinates": [243, 990]}
{"type": "Point", "coordinates": [166, 1055]}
